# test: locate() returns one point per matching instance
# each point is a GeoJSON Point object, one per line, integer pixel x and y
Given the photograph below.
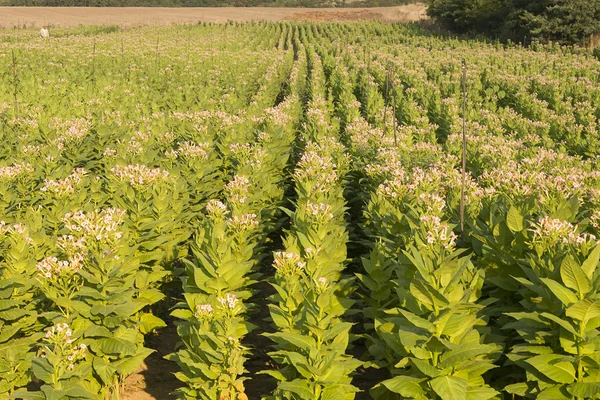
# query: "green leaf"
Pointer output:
{"type": "Point", "coordinates": [150, 322]}
{"type": "Point", "coordinates": [42, 369]}
{"type": "Point", "coordinates": [417, 321]}
{"type": "Point", "coordinates": [481, 393]}
{"type": "Point", "coordinates": [24, 394]}
{"type": "Point", "coordinates": [105, 371]}
{"type": "Point", "coordinates": [565, 324]}
{"type": "Point", "coordinates": [301, 341]}
{"type": "Point", "coordinates": [299, 387]}
{"type": "Point", "coordinates": [425, 368]}
{"type": "Point", "coordinates": [450, 387]}
{"type": "Point", "coordinates": [591, 263]}
{"type": "Point", "coordinates": [574, 277]}
{"type": "Point", "coordinates": [554, 393]}
{"type": "Point", "coordinates": [551, 366]}
{"type": "Point", "coordinates": [587, 390]}
{"type": "Point", "coordinates": [462, 353]}
{"type": "Point", "coordinates": [79, 392]}
{"type": "Point", "coordinates": [405, 386]}
{"type": "Point", "coordinates": [584, 310]}
{"type": "Point", "coordinates": [565, 295]}
{"type": "Point", "coordinates": [129, 365]}
{"type": "Point", "coordinates": [521, 388]}
{"type": "Point", "coordinates": [182, 313]}
{"type": "Point", "coordinates": [427, 295]}
{"type": "Point", "coordinates": [116, 347]}
{"type": "Point", "coordinates": [515, 220]}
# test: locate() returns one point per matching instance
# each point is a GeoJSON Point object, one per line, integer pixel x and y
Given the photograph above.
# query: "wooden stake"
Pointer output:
{"type": "Point", "coordinates": [94, 68]}
{"type": "Point", "coordinates": [157, 44]}
{"type": "Point", "coordinates": [386, 98]}
{"type": "Point", "coordinates": [464, 152]}
{"type": "Point", "coordinates": [394, 108]}
{"type": "Point", "coordinates": [16, 102]}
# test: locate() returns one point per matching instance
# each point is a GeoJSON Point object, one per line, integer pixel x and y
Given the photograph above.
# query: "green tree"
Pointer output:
{"type": "Point", "coordinates": [468, 15]}
{"type": "Point", "coordinates": [563, 21]}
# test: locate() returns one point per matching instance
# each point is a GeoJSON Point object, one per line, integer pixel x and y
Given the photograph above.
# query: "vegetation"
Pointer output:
{"type": "Point", "coordinates": [313, 172]}
{"type": "Point", "coordinates": [563, 21]}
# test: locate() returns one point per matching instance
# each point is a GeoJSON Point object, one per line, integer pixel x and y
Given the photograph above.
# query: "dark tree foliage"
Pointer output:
{"type": "Point", "coordinates": [563, 21]}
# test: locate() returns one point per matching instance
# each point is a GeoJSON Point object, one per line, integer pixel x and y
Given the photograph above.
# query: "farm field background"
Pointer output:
{"type": "Point", "coordinates": [133, 16]}
{"type": "Point", "coordinates": [283, 200]}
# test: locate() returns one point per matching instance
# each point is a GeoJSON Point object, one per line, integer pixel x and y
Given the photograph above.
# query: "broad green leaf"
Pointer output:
{"type": "Point", "coordinates": [565, 295]}
{"type": "Point", "coordinates": [150, 322]}
{"type": "Point", "coordinates": [450, 387]}
{"type": "Point", "coordinates": [426, 294]}
{"type": "Point", "coordinates": [574, 277]}
{"type": "Point", "coordinates": [565, 324]}
{"type": "Point", "coordinates": [551, 366]}
{"type": "Point", "coordinates": [405, 386]}
{"type": "Point", "coordinates": [591, 263]}
{"type": "Point", "coordinates": [116, 347]}
{"type": "Point", "coordinates": [301, 341]}
{"type": "Point", "coordinates": [417, 321]}
{"type": "Point", "coordinates": [425, 368]}
{"type": "Point", "coordinates": [521, 388]}
{"type": "Point", "coordinates": [299, 387]}
{"type": "Point", "coordinates": [42, 369]}
{"type": "Point", "coordinates": [481, 393]}
{"type": "Point", "coordinates": [129, 365]}
{"type": "Point", "coordinates": [105, 371]}
{"type": "Point", "coordinates": [554, 393]}
{"type": "Point", "coordinates": [515, 220]}
{"type": "Point", "coordinates": [462, 353]}
{"type": "Point", "coordinates": [587, 390]}
{"type": "Point", "coordinates": [24, 394]}
{"type": "Point", "coordinates": [182, 314]}
{"type": "Point", "coordinates": [584, 310]}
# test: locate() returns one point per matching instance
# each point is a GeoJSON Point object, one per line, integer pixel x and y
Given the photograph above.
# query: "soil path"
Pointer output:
{"type": "Point", "coordinates": [32, 17]}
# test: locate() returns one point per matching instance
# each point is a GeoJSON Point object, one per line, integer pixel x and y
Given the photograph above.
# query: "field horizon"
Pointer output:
{"type": "Point", "coordinates": [35, 17]}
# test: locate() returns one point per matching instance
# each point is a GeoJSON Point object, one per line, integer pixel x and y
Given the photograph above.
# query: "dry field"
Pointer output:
{"type": "Point", "coordinates": [125, 17]}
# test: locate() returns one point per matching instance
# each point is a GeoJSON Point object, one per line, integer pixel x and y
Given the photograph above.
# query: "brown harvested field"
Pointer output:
{"type": "Point", "coordinates": [134, 16]}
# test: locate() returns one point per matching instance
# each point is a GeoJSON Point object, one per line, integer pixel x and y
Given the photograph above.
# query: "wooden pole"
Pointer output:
{"type": "Point", "coordinates": [94, 68]}
{"type": "Point", "coordinates": [394, 108]}
{"type": "Point", "coordinates": [14, 68]}
{"type": "Point", "coordinates": [464, 152]}
{"type": "Point", "coordinates": [385, 99]}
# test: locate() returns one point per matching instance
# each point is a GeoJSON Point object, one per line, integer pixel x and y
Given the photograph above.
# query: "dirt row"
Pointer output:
{"type": "Point", "coordinates": [34, 17]}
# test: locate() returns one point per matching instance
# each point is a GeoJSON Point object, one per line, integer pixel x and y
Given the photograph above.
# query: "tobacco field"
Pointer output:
{"type": "Point", "coordinates": [195, 175]}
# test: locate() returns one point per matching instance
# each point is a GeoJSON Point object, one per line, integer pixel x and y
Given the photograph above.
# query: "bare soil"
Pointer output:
{"type": "Point", "coordinates": [33, 17]}
{"type": "Point", "coordinates": [155, 380]}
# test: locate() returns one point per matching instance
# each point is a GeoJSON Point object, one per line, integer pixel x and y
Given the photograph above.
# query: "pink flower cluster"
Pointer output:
{"type": "Point", "coordinates": [61, 337]}
{"type": "Point", "coordinates": [51, 267]}
{"type": "Point", "coordinates": [216, 208]}
{"type": "Point", "coordinates": [64, 187]}
{"type": "Point", "coordinates": [140, 176]}
{"type": "Point", "coordinates": [237, 189]}
{"type": "Point", "coordinates": [242, 223]}
{"type": "Point", "coordinates": [10, 173]}
{"type": "Point", "coordinates": [552, 231]}
{"type": "Point", "coordinates": [97, 225]}
{"type": "Point", "coordinates": [230, 301]}
{"type": "Point", "coordinates": [320, 211]}
{"type": "Point", "coordinates": [437, 232]}
{"type": "Point", "coordinates": [288, 263]}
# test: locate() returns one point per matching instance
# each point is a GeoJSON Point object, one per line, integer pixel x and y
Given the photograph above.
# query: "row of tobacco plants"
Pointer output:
{"type": "Point", "coordinates": [143, 176]}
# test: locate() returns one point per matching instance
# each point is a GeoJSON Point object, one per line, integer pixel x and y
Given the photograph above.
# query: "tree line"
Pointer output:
{"type": "Point", "coordinates": [561, 21]}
